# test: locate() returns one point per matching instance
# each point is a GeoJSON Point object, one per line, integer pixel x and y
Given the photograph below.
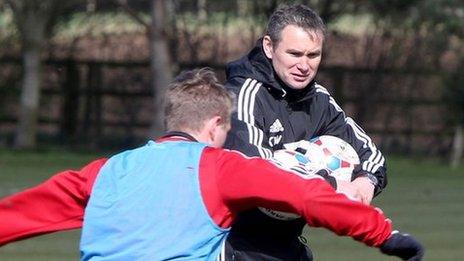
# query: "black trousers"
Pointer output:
{"type": "Point", "coordinates": [242, 250]}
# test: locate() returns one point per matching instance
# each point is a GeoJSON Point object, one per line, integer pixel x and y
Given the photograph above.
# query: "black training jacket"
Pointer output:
{"type": "Point", "coordinates": [269, 114]}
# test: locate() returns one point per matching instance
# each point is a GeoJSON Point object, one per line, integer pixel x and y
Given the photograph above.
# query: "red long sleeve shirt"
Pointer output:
{"type": "Point", "coordinates": [230, 182]}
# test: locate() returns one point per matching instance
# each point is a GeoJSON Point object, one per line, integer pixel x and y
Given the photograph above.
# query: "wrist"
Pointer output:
{"type": "Point", "coordinates": [371, 178]}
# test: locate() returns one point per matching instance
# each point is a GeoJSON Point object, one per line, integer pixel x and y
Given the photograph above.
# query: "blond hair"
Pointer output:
{"type": "Point", "coordinates": [194, 97]}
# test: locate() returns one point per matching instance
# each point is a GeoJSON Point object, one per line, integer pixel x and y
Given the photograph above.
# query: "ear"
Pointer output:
{"type": "Point", "coordinates": [267, 46]}
{"type": "Point", "coordinates": [210, 129]}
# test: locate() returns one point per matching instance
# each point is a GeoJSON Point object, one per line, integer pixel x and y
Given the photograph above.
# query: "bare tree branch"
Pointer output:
{"type": "Point", "coordinates": [133, 14]}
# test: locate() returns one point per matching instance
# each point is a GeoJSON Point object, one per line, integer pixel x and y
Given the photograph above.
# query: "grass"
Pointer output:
{"type": "Point", "coordinates": [23, 169]}
{"type": "Point", "coordinates": [19, 170]}
{"type": "Point", "coordinates": [424, 198]}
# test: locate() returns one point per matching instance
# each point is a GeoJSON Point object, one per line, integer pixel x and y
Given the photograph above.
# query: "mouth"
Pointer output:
{"type": "Point", "coordinates": [300, 77]}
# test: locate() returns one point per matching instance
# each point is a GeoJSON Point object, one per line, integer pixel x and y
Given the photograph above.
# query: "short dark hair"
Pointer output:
{"type": "Point", "coordinates": [296, 14]}
{"type": "Point", "coordinates": [194, 97]}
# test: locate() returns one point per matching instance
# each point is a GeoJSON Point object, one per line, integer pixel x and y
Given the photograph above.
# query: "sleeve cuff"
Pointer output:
{"type": "Point", "coordinates": [332, 181]}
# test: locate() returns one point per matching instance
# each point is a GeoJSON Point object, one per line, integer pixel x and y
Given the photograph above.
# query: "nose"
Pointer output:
{"type": "Point", "coordinates": [303, 65]}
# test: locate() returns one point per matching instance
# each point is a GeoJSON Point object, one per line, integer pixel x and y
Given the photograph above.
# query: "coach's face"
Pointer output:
{"type": "Point", "coordinates": [296, 57]}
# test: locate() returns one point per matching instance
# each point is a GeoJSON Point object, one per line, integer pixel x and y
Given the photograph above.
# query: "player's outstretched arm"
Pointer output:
{"type": "Point", "coordinates": [246, 183]}
{"type": "Point", "coordinates": [55, 205]}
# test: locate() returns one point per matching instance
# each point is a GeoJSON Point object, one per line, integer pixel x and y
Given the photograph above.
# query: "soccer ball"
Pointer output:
{"type": "Point", "coordinates": [305, 158]}
{"type": "Point", "coordinates": [330, 153]}
{"type": "Point", "coordinates": [333, 154]}
{"type": "Point", "coordinates": [295, 162]}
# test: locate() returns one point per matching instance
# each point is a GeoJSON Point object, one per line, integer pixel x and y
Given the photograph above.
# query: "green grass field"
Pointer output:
{"type": "Point", "coordinates": [424, 198]}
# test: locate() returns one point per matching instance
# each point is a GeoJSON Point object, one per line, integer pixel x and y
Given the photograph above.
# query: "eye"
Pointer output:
{"type": "Point", "coordinates": [295, 54]}
{"type": "Point", "coordinates": [314, 55]}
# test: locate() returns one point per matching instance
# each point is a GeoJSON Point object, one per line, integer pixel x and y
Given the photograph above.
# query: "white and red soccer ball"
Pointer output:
{"type": "Point", "coordinates": [324, 152]}
{"type": "Point", "coordinates": [333, 154]}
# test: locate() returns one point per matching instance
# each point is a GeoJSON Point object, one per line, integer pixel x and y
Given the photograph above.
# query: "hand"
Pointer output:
{"type": "Point", "coordinates": [365, 188]}
{"type": "Point", "coordinates": [349, 189]}
{"type": "Point", "coordinates": [404, 246]}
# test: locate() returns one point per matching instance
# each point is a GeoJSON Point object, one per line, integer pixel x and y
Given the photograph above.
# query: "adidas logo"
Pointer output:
{"type": "Point", "coordinates": [276, 127]}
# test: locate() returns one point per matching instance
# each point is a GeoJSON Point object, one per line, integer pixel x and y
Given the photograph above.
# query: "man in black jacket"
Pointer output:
{"type": "Point", "coordinates": [279, 102]}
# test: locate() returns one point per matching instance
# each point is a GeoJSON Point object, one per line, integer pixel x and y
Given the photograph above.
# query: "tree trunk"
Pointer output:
{"type": "Point", "coordinates": [201, 10]}
{"type": "Point", "coordinates": [458, 146]}
{"type": "Point", "coordinates": [70, 105]}
{"type": "Point", "coordinates": [160, 64]}
{"type": "Point", "coordinates": [33, 36]}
